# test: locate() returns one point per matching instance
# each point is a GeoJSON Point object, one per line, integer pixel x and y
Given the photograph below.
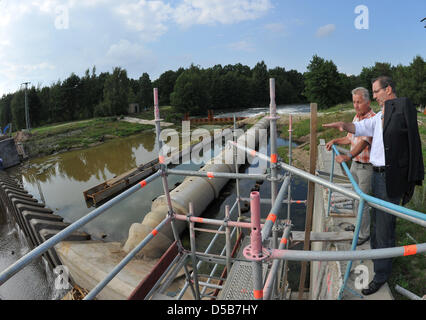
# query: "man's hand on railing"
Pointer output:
{"type": "Point", "coordinates": [342, 158]}
{"type": "Point", "coordinates": [329, 145]}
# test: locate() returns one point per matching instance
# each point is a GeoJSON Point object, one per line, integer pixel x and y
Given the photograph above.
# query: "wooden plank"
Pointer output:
{"type": "Point", "coordinates": [323, 236]}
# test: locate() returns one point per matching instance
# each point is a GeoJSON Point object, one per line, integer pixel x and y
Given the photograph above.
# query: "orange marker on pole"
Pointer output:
{"type": "Point", "coordinates": [410, 250]}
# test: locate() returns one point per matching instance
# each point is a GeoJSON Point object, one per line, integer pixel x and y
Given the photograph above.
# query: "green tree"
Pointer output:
{"type": "Point", "coordinates": [145, 96]}
{"type": "Point", "coordinates": [411, 81]}
{"type": "Point", "coordinates": [191, 92]}
{"type": "Point", "coordinates": [70, 106]}
{"type": "Point", "coordinates": [17, 108]}
{"type": "Point", "coordinates": [165, 84]}
{"type": "Point", "coordinates": [323, 83]}
{"type": "Point", "coordinates": [369, 73]}
{"type": "Point", "coordinates": [116, 91]}
{"type": "Point", "coordinates": [260, 88]}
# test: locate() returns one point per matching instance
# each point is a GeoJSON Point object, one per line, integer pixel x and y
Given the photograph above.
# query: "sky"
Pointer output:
{"type": "Point", "coordinates": [43, 41]}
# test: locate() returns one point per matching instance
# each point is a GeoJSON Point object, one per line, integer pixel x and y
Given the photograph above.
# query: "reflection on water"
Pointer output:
{"type": "Point", "coordinates": [60, 180]}
{"type": "Point", "coordinates": [102, 162]}
{"type": "Point", "coordinates": [63, 178]}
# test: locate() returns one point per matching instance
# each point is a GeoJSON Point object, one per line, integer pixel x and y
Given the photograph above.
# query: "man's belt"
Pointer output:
{"type": "Point", "coordinates": [379, 169]}
{"type": "Point", "coordinates": [364, 163]}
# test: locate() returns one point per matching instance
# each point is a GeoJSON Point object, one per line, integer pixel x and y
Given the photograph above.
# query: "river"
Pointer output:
{"type": "Point", "coordinates": [59, 181]}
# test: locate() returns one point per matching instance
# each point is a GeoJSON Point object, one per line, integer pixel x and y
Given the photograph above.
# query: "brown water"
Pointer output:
{"type": "Point", "coordinates": [60, 180]}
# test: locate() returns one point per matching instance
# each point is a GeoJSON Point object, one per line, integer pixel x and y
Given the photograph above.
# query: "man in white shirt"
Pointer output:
{"type": "Point", "coordinates": [361, 168]}
{"type": "Point", "coordinates": [396, 156]}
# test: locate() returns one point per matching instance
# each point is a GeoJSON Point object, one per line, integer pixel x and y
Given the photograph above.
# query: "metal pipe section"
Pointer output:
{"type": "Point", "coordinates": [407, 293]}
{"type": "Point", "coordinates": [385, 204]}
{"type": "Point", "coordinates": [290, 159]}
{"type": "Point", "coordinates": [227, 239]}
{"type": "Point", "coordinates": [331, 181]}
{"type": "Point", "coordinates": [268, 201]}
{"type": "Point", "coordinates": [300, 255]}
{"type": "Point", "coordinates": [353, 247]}
{"type": "Point", "coordinates": [95, 291]}
{"type": "Point", "coordinates": [237, 181]}
{"type": "Point", "coordinates": [256, 246]}
{"type": "Point", "coordinates": [213, 175]}
{"type": "Point", "coordinates": [269, 283]}
{"type": "Point", "coordinates": [276, 209]}
{"type": "Point", "coordinates": [193, 256]}
{"type": "Point", "coordinates": [214, 222]}
{"type": "Point", "coordinates": [163, 168]}
{"type": "Point", "coordinates": [273, 139]}
{"type": "Point", "coordinates": [38, 251]}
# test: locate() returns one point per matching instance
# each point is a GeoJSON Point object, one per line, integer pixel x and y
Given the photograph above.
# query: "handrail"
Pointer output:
{"type": "Point", "coordinates": [368, 198]}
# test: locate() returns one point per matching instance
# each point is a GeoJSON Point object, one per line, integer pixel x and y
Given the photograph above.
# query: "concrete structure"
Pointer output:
{"type": "Point", "coordinates": [134, 108]}
{"type": "Point", "coordinates": [8, 153]}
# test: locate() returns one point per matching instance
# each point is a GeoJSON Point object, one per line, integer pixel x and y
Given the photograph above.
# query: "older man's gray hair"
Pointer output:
{"type": "Point", "coordinates": [363, 92]}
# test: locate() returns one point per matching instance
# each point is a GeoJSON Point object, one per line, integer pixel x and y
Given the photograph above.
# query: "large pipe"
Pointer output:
{"type": "Point", "coordinates": [201, 191]}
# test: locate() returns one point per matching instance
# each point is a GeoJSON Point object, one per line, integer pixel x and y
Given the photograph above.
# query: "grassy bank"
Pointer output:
{"type": "Point", "coordinates": [81, 134]}
{"type": "Point", "coordinates": [408, 272]}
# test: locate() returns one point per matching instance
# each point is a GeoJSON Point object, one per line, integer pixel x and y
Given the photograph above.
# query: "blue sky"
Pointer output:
{"type": "Point", "coordinates": [45, 40]}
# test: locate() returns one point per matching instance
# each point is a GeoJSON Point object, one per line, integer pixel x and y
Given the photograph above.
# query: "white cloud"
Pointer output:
{"type": "Point", "coordinates": [130, 55]}
{"type": "Point", "coordinates": [242, 45]}
{"type": "Point", "coordinates": [326, 30]}
{"type": "Point", "coordinates": [124, 49]}
{"type": "Point", "coordinates": [191, 12]}
{"type": "Point", "coordinates": [147, 17]}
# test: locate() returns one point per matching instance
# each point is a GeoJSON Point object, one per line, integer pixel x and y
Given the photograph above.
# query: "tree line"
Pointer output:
{"type": "Point", "coordinates": [194, 90]}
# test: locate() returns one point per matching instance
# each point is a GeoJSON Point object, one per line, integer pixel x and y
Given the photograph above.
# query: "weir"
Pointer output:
{"type": "Point", "coordinates": [251, 264]}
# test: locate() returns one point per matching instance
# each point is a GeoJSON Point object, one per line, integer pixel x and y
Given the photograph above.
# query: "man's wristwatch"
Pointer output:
{"type": "Point", "coordinates": [350, 156]}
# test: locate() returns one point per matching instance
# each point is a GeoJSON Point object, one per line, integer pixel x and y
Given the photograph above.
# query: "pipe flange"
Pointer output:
{"type": "Point", "coordinates": [249, 255]}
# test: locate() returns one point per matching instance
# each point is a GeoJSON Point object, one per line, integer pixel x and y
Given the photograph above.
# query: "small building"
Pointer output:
{"type": "Point", "coordinates": [134, 108]}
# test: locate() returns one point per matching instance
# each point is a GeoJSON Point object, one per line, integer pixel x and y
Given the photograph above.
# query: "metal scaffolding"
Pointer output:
{"type": "Point", "coordinates": [268, 263]}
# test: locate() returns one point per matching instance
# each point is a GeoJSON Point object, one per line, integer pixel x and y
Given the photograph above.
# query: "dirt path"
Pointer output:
{"type": "Point", "coordinates": [142, 121]}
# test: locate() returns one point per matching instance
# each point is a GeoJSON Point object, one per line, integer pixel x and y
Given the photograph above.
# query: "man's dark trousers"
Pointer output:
{"type": "Point", "coordinates": [383, 228]}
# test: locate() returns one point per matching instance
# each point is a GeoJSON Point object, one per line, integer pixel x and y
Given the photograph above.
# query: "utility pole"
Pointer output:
{"type": "Point", "coordinates": [27, 111]}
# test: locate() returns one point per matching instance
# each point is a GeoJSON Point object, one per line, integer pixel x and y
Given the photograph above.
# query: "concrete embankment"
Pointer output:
{"type": "Point", "coordinates": [89, 262]}
{"type": "Point", "coordinates": [36, 221]}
